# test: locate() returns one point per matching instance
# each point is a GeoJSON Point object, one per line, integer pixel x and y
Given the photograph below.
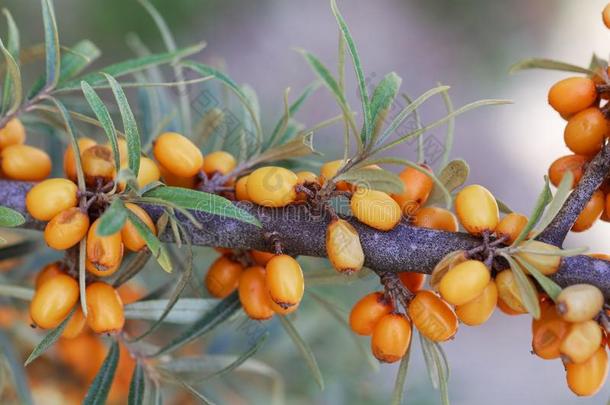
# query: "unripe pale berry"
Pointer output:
{"type": "Point", "coordinates": [413, 281]}
{"type": "Point", "coordinates": [66, 229]}
{"type": "Point", "coordinates": [585, 132]}
{"type": "Point", "coordinates": [104, 253]}
{"type": "Point", "coordinates": [253, 294]}
{"type": "Point", "coordinates": [75, 325]}
{"type": "Point", "coordinates": [582, 341]}
{"type": "Point", "coordinates": [219, 162]}
{"type": "Point", "coordinates": [511, 226]}
{"type": "Point", "coordinates": [129, 235]}
{"type": "Point", "coordinates": [477, 311]}
{"type": "Point", "coordinates": [391, 337]}
{"type": "Point", "coordinates": [53, 301]}
{"type": "Point", "coordinates": [105, 312]}
{"type": "Point", "coordinates": [477, 209]}
{"type": "Point", "coordinates": [241, 191]}
{"type": "Point", "coordinates": [376, 209]}
{"type": "Point", "coordinates": [98, 164]}
{"type": "Point", "coordinates": [464, 282]}
{"type": "Point", "coordinates": [435, 218]}
{"type": "Point", "coordinates": [417, 189]}
{"type": "Point", "coordinates": [343, 247]}
{"type": "Point", "coordinates": [261, 258]}
{"type": "Point", "coordinates": [591, 212]}
{"type": "Point", "coordinates": [547, 264]}
{"type": "Point", "coordinates": [368, 311]}
{"type": "Point", "coordinates": [585, 379]}
{"type": "Point", "coordinates": [178, 154]}
{"type": "Point", "coordinates": [570, 163]}
{"type": "Point", "coordinates": [548, 332]}
{"type": "Point", "coordinates": [432, 316]}
{"type": "Point", "coordinates": [580, 302]}
{"type": "Point", "coordinates": [50, 197]}
{"type": "Point", "coordinates": [272, 186]}
{"type": "Point", "coordinates": [25, 163]}
{"type": "Point", "coordinates": [49, 271]}
{"type": "Point", "coordinates": [222, 277]}
{"type": "Point", "coordinates": [13, 133]}
{"type": "Point", "coordinates": [284, 280]}
{"type": "Point", "coordinates": [571, 95]}
{"type": "Point", "coordinates": [508, 291]}
{"type": "Point", "coordinates": [70, 162]}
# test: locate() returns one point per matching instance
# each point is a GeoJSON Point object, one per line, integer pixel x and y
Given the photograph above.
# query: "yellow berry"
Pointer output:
{"type": "Point", "coordinates": [477, 209]}
{"type": "Point", "coordinates": [582, 341]}
{"type": "Point", "coordinates": [178, 154]}
{"type": "Point", "coordinates": [343, 247]}
{"type": "Point", "coordinates": [464, 282]}
{"type": "Point", "coordinates": [376, 209]}
{"type": "Point", "coordinates": [241, 191]}
{"type": "Point", "coordinates": [272, 186]}
{"type": "Point", "coordinates": [50, 197]}
{"type": "Point", "coordinates": [25, 163]}
{"type": "Point", "coordinates": [13, 133]}
{"type": "Point", "coordinates": [478, 310]}
{"type": "Point", "coordinates": [435, 218]}
{"type": "Point", "coordinates": [70, 162]}
{"type": "Point", "coordinates": [53, 301]}
{"type": "Point", "coordinates": [75, 325]}
{"type": "Point", "coordinates": [284, 280]}
{"type": "Point", "coordinates": [98, 164]}
{"type": "Point", "coordinates": [587, 378]}
{"type": "Point", "coordinates": [219, 162]}
{"type": "Point", "coordinates": [508, 292]}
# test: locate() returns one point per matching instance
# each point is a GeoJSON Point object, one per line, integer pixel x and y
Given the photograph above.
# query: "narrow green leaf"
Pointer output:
{"type": "Point", "coordinates": [220, 313]}
{"type": "Point", "coordinates": [132, 136]}
{"type": "Point", "coordinates": [13, 81]}
{"type": "Point", "coordinates": [559, 253]}
{"type": "Point", "coordinates": [12, 46]}
{"type": "Point", "coordinates": [15, 291]}
{"type": "Point", "coordinates": [51, 40]}
{"type": "Point", "coordinates": [300, 146]}
{"type": "Point", "coordinates": [438, 368]}
{"type": "Point", "coordinates": [184, 311]}
{"type": "Point", "coordinates": [548, 285]}
{"type": "Point", "coordinates": [304, 349]}
{"type": "Point", "coordinates": [155, 246]}
{"type": "Point", "coordinates": [376, 179]}
{"type": "Point", "coordinates": [401, 378]}
{"type": "Point", "coordinates": [10, 218]}
{"type": "Point", "coordinates": [503, 207]}
{"type": "Point", "coordinates": [599, 66]}
{"type": "Point", "coordinates": [200, 201]}
{"type": "Point", "coordinates": [49, 340]}
{"type": "Point", "coordinates": [18, 373]}
{"type": "Point", "coordinates": [100, 387]}
{"type": "Point", "coordinates": [383, 99]}
{"type": "Point", "coordinates": [137, 386]}
{"type": "Point", "coordinates": [548, 64]}
{"type": "Point", "coordinates": [240, 360]}
{"type": "Point", "coordinates": [452, 176]}
{"type": "Point", "coordinates": [553, 208]}
{"type": "Point", "coordinates": [82, 275]}
{"type": "Point", "coordinates": [526, 288]}
{"type": "Point", "coordinates": [542, 201]}
{"type": "Point", "coordinates": [132, 268]}
{"type": "Point", "coordinates": [113, 219]}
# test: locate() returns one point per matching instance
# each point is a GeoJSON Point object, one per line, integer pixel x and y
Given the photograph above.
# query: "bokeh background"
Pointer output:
{"type": "Point", "coordinates": [469, 45]}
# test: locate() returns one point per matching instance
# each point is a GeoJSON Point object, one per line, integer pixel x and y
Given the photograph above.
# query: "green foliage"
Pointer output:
{"type": "Point", "coordinates": [100, 387]}
{"type": "Point", "coordinates": [9, 218]}
{"type": "Point", "coordinates": [49, 340]}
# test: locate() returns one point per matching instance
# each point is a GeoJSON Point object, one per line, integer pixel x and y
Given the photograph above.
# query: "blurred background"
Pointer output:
{"type": "Point", "coordinates": [468, 45]}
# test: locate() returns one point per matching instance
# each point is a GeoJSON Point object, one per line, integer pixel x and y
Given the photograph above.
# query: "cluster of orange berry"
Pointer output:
{"type": "Point", "coordinates": [19, 161]}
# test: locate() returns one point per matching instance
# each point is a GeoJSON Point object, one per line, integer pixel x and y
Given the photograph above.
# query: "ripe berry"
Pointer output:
{"type": "Point", "coordinates": [573, 163]}
{"type": "Point", "coordinates": [284, 280]}
{"type": "Point", "coordinates": [435, 218]}
{"type": "Point", "coordinates": [69, 161]}
{"type": "Point", "coordinates": [464, 282]}
{"type": "Point", "coordinates": [123, 151]}
{"type": "Point", "coordinates": [253, 294]}
{"type": "Point", "coordinates": [581, 342]}
{"type": "Point", "coordinates": [178, 154]}
{"type": "Point", "coordinates": [478, 310]}
{"type": "Point", "coordinates": [587, 378]}
{"type": "Point", "coordinates": [13, 133]}
{"type": "Point", "coordinates": [282, 311]}
{"type": "Point", "coordinates": [329, 170]}
{"type": "Point", "coordinates": [98, 164]}
{"type": "Point", "coordinates": [261, 258]}
{"type": "Point", "coordinates": [418, 187]}
{"type": "Point", "coordinates": [84, 354]}
{"type": "Point", "coordinates": [585, 132]}
{"type": "Point", "coordinates": [219, 162]}
{"type": "Point", "coordinates": [129, 235]}
{"type": "Point", "coordinates": [75, 325]}
{"type": "Point", "coordinates": [580, 302]}
{"type": "Point", "coordinates": [391, 338]}
{"type": "Point", "coordinates": [305, 177]}
{"type": "Point", "coordinates": [547, 264]}
{"type": "Point", "coordinates": [477, 209]}
{"type": "Point", "coordinates": [53, 301]}
{"type": "Point", "coordinates": [177, 181]}
{"type": "Point", "coordinates": [104, 308]}
{"type": "Point", "coordinates": [343, 246]}
{"type": "Point", "coordinates": [376, 209]}
{"type": "Point", "coordinates": [49, 271]}
{"type": "Point", "coordinates": [50, 197]}
{"type": "Point", "coordinates": [511, 226]}
{"type": "Point", "coordinates": [241, 191]}
{"type": "Point", "coordinates": [147, 173]}
{"type": "Point", "coordinates": [591, 212]}
{"type": "Point", "coordinates": [24, 162]}
{"type": "Point", "coordinates": [413, 281]}
{"type": "Point", "coordinates": [548, 332]}
{"type": "Point", "coordinates": [104, 253]}
{"type": "Point", "coordinates": [432, 316]}
{"type": "Point", "coordinates": [571, 95]}
{"type": "Point", "coordinates": [606, 16]}
{"type": "Point", "coordinates": [66, 229]}
{"type": "Point", "coordinates": [368, 311]}
{"type": "Point", "coordinates": [508, 291]}
{"type": "Point", "coordinates": [222, 277]}
{"type": "Point", "coordinates": [272, 186]}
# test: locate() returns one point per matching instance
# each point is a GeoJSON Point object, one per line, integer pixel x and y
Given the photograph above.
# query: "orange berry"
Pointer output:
{"type": "Point", "coordinates": [305, 177]}
{"type": "Point", "coordinates": [253, 294]}
{"type": "Point", "coordinates": [50, 197]}
{"type": "Point", "coordinates": [391, 338]}
{"type": "Point", "coordinates": [66, 229]}
{"type": "Point", "coordinates": [272, 186]}
{"type": "Point", "coordinates": [343, 247]}
{"type": "Point", "coordinates": [511, 226]}
{"type": "Point", "coordinates": [573, 163]}
{"type": "Point", "coordinates": [606, 16]}
{"type": "Point", "coordinates": [84, 354]}
{"type": "Point", "coordinates": [464, 282]}
{"type": "Point", "coordinates": [600, 256]}
{"type": "Point", "coordinates": [329, 170]}
{"type": "Point", "coordinates": [368, 311]}
{"type": "Point", "coordinates": [478, 310]}
{"type": "Point", "coordinates": [219, 162]}
{"type": "Point", "coordinates": [548, 332]}
{"type": "Point", "coordinates": [53, 301]}
{"type": "Point", "coordinates": [376, 209]}
{"type": "Point", "coordinates": [261, 258]}
{"type": "Point", "coordinates": [413, 281]}
{"type": "Point", "coordinates": [506, 309]}
{"type": "Point", "coordinates": [69, 161]}
{"type": "Point", "coordinates": [75, 325]}
{"type": "Point", "coordinates": [435, 218]}
{"type": "Point", "coordinates": [104, 253]}
{"type": "Point", "coordinates": [49, 271]}
{"type": "Point", "coordinates": [131, 292]}
{"type": "Point", "coordinates": [590, 213]}
{"type": "Point", "coordinates": [98, 164]}
{"type": "Point", "coordinates": [418, 187]}
{"type": "Point", "coordinates": [25, 163]}
{"type": "Point", "coordinates": [178, 154]}
{"type": "Point", "coordinates": [508, 292]}
{"type": "Point", "coordinates": [123, 150]}
{"type": "Point", "coordinates": [147, 173]}
{"type": "Point", "coordinates": [432, 316]}
{"type": "Point", "coordinates": [104, 308]}
{"type": "Point", "coordinates": [222, 277]}
{"type": "Point", "coordinates": [581, 342]}
{"type": "Point", "coordinates": [477, 209]}
{"type": "Point", "coordinates": [282, 311]}
{"type": "Point", "coordinates": [177, 181]}
{"type": "Point", "coordinates": [587, 378]}
{"type": "Point", "coordinates": [241, 191]}
{"type": "Point", "coordinates": [585, 132]}
{"type": "Point", "coordinates": [129, 235]}
{"type": "Point", "coordinates": [13, 133]}
{"type": "Point", "coordinates": [284, 280]}
{"type": "Point", "coordinates": [571, 95]}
